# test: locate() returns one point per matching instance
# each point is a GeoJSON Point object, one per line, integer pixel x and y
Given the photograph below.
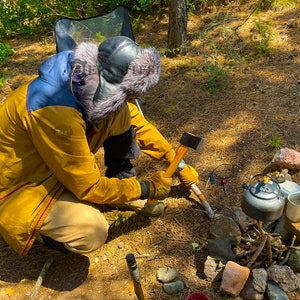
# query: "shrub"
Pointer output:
{"type": "Point", "coordinates": [263, 36]}
{"type": "Point", "coordinates": [5, 51]}
{"type": "Point", "coordinates": [275, 142]}
{"type": "Point", "coordinates": [28, 17]}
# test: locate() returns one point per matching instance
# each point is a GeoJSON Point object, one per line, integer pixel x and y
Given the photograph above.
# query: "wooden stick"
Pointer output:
{"type": "Point", "coordinates": [269, 250]}
{"type": "Point", "coordinates": [245, 253]}
{"type": "Point", "coordinates": [258, 251]}
{"type": "Point", "coordinates": [41, 278]}
{"type": "Point", "coordinates": [204, 203]}
{"type": "Point", "coordinates": [288, 252]}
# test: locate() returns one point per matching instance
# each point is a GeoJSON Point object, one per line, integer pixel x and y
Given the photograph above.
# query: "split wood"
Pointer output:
{"type": "Point", "coordinates": [266, 243]}
{"type": "Point", "coordinates": [289, 252]}
{"type": "Point", "coordinates": [258, 251]}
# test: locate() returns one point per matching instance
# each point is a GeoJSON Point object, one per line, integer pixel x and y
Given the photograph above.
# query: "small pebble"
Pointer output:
{"type": "Point", "coordinates": [121, 245]}
{"type": "Point", "coordinates": [173, 288]}
{"type": "Point", "coordinates": [166, 275]}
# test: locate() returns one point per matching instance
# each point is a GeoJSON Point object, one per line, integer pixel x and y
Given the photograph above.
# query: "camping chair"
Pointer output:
{"type": "Point", "coordinates": [69, 32]}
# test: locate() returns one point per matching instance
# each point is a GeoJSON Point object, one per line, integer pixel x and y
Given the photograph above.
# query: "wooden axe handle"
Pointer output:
{"type": "Point", "coordinates": [175, 162]}
{"type": "Point", "coordinates": [173, 166]}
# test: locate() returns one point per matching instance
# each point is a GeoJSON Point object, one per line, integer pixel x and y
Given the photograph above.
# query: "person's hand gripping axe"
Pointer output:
{"type": "Point", "coordinates": [187, 175]}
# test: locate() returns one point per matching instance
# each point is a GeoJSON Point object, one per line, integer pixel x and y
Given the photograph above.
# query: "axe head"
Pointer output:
{"type": "Point", "coordinates": [192, 141]}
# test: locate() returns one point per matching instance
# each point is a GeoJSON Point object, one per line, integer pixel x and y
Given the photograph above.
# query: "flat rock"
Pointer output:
{"type": "Point", "coordinates": [213, 268]}
{"type": "Point", "coordinates": [225, 227]}
{"type": "Point", "coordinates": [284, 277]}
{"type": "Point", "coordinates": [287, 158]}
{"type": "Point", "coordinates": [173, 288]}
{"type": "Point", "coordinates": [234, 278]}
{"type": "Point", "coordinates": [166, 274]}
{"type": "Point", "coordinates": [274, 292]}
{"type": "Point", "coordinates": [256, 284]}
{"type": "Point", "coordinates": [220, 247]}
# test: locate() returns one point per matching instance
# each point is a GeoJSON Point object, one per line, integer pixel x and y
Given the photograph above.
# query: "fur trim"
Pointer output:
{"type": "Point", "coordinates": [86, 69]}
{"type": "Point", "coordinates": [143, 73]}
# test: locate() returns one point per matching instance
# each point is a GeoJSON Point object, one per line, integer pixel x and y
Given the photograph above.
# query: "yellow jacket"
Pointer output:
{"type": "Point", "coordinates": [47, 145]}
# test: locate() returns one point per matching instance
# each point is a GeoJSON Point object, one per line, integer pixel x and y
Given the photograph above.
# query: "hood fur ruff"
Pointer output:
{"type": "Point", "coordinates": [143, 73]}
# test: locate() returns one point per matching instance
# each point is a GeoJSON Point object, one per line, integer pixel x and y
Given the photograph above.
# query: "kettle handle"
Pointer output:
{"type": "Point", "coordinates": [272, 178]}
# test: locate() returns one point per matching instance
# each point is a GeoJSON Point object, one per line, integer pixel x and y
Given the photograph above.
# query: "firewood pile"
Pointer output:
{"type": "Point", "coordinates": [252, 259]}
{"type": "Point", "coordinates": [262, 248]}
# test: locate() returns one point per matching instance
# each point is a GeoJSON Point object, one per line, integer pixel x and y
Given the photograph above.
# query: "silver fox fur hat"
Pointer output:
{"type": "Point", "coordinates": [106, 77]}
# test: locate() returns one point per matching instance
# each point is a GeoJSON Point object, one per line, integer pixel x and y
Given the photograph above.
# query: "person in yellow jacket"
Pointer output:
{"type": "Point", "coordinates": [50, 129]}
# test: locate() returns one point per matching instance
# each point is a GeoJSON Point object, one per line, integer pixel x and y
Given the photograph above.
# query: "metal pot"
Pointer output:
{"type": "Point", "coordinates": [264, 200]}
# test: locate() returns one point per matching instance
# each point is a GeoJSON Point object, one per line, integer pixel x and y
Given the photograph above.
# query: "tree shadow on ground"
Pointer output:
{"type": "Point", "coordinates": [128, 221]}
{"type": "Point", "coordinates": [66, 272]}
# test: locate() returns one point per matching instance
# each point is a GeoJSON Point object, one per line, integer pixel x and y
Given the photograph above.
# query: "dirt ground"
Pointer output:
{"type": "Point", "coordinates": [252, 101]}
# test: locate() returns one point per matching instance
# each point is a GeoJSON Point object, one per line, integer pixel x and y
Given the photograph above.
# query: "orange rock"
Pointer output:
{"type": "Point", "coordinates": [234, 278]}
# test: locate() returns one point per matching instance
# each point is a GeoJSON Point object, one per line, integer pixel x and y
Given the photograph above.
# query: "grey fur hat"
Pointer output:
{"type": "Point", "coordinates": [106, 77]}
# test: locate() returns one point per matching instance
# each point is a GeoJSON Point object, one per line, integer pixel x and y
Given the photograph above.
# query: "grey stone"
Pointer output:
{"type": "Point", "coordinates": [242, 219]}
{"type": "Point", "coordinates": [213, 268]}
{"type": "Point", "coordinates": [225, 227]}
{"type": "Point", "coordinates": [260, 277]}
{"type": "Point", "coordinates": [274, 291]}
{"type": "Point", "coordinates": [220, 247]}
{"type": "Point", "coordinates": [173, 288]}
{"type": "Point", "coordinates": [284, 277]}
{"type": "Point", "coordinates": [294, 260]}
{"type": "Point", "coordinates": [166, 274]}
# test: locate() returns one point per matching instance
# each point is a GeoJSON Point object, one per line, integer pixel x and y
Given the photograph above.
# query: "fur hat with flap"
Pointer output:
{"type": "Point", "coordinates": [107, 76]}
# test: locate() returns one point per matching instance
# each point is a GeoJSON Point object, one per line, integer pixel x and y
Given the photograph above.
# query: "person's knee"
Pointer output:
{"type": "Point", "coordinates": [79, 226]}
{"type": "Point", "coordinates": [92, 236]}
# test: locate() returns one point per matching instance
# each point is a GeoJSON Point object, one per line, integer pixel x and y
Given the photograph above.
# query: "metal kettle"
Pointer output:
{"type": "Point", "coordinates": [264, 200]}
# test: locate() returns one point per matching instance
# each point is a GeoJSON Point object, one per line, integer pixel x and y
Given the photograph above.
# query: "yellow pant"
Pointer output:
{"type": "Point", "coordinates": [80, 226]}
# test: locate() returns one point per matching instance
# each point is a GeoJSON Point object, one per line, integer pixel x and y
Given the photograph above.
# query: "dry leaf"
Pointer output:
{"type": "Point", "coordinates": [10, 292]}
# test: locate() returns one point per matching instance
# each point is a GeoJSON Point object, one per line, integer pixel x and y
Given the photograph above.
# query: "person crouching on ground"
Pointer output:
{"type": "Point", "coordinates": [50, 129]}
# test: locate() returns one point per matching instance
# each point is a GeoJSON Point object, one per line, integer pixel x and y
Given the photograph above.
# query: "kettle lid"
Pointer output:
{"type": "Point", "coordinates": [264, 191]}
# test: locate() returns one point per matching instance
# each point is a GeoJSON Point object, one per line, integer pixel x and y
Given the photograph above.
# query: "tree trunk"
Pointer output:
{"type": "Point", "coordinates": [177, 33]}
